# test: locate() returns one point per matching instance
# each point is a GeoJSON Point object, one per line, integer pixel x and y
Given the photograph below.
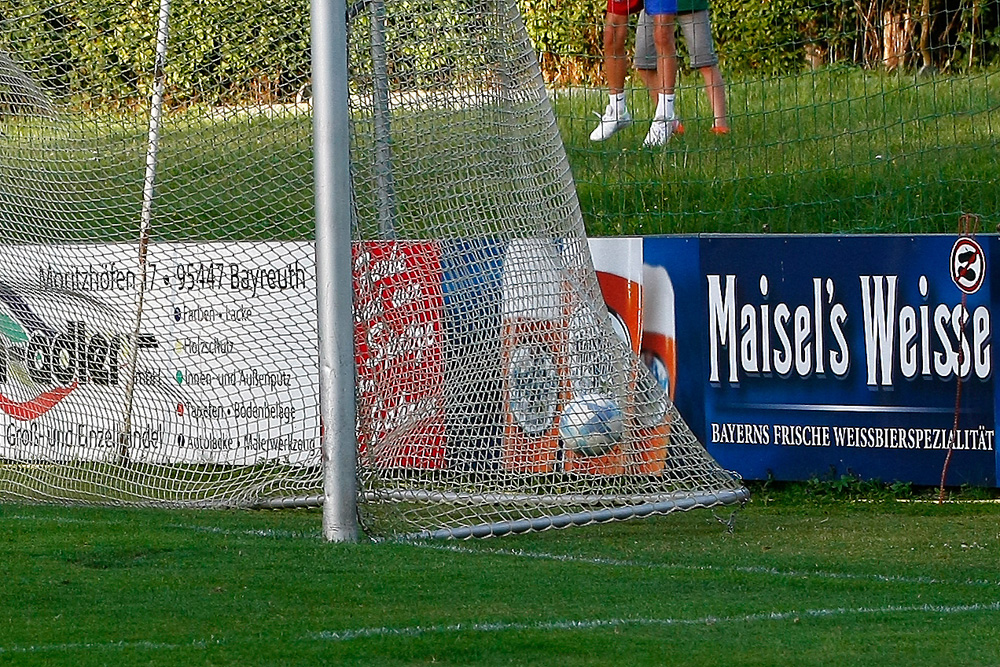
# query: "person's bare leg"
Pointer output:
{"type": "Point", "coordinates": [651, 81]}
{"type": "Point", "coordinates": [664, 123]}
{"type": "Point", "coordinates": [715, 89]}
{"type": "Point", "coordinates": [615, 60]}
{"type": "Point", "coordinates": [666, 53]}
{"type": "Point", "coordinates": [616, 114]}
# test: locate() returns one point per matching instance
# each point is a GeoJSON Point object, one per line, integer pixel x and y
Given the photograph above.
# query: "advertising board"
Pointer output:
{"type": "Point", "coordinates": [810, 356]}
{"type": "Point", "coordinates": [221, 373]}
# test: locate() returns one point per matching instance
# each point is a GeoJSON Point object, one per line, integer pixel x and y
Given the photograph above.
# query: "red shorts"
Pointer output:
{"type": "Point", "coordinates": [624, 7]}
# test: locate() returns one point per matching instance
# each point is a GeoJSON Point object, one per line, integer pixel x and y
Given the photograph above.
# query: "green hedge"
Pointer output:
{"type": "Point", "coordinates": [241, 50]}
{"type": "Point", "coordinates": [568, 35]}
{"type": "Point", "coordinates": [255, 49]}
{"type": "Point", "coordinates": [770, 37]}
{"type": "Point", "coordinates": [767, 36]}
{"type": "Point", "coordinates": [762, 35]}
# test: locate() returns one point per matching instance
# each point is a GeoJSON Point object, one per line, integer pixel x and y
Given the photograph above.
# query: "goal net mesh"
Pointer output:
{"type": "Point", "coordinates": [157, 292]}
{"type": "Point", "coordinates": [157, 278]}
{"type": "Point", "coordinates": [490, 377]}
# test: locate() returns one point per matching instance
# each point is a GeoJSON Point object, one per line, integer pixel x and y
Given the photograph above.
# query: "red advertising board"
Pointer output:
{"type": "Point", "coordinates": [399, 348]}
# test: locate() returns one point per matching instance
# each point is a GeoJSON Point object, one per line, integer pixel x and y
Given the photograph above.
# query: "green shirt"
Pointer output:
{"type": "Point", "coordinates": [688, 6]}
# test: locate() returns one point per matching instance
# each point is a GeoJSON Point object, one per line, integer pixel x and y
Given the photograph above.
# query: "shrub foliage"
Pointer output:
{"type": "Point", "coordinates": [107, 46]}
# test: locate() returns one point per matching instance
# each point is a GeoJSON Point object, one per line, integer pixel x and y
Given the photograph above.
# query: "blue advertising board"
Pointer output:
{"type": "Point", "coordinates": [801, 356]}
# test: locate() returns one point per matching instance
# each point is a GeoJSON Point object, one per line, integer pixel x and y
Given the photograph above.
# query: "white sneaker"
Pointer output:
{"type": "Point", "coordinates": [611, 122]}
{"type": "Point", "coordinates": [660, 131]}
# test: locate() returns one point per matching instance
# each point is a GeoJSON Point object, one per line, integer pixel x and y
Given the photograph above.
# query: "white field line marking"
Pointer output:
{"type": "Point", "coordinates": [795, 574]}
{"type": "Point", "coordinates": [104, 646]}
{"type": "Point", "coordinates": [504, 626]}
{"type": "Point", "coordinates": [259, 532]}
{"type": "Point", "coordinates": [59, 519]}
{"type": "Point", "coordinates": [814, 574]}
{"type": "Point", "coordinates": [279, 534]}
{"type": "Point", "coordinates": [589, 624]}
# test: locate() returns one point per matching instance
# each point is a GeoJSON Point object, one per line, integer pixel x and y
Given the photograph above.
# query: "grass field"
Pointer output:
{"type": "Point", "coordinates": [808, 574]}
{"type": "Point", "coordinates": [803, 578]}
{"type": "Point", "coordinates": [839, 150]}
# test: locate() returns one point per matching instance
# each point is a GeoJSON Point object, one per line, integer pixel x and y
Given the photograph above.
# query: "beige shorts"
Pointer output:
{"type": "Point", "coordinates": [697, 29]}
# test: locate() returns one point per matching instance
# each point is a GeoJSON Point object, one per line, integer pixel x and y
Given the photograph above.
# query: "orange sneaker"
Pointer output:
{"type": "Point", "coordinates": [720, 129]}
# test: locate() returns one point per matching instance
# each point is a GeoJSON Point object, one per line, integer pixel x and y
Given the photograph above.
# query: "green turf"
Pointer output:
{"type": "Point", "coordinates": [834, 151]}
{"type": "Point", "coordinates": [800, 580]}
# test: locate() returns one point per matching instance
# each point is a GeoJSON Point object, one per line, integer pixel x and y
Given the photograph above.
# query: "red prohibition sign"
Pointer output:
{"type": "Point", "coordinates": [968, 265]}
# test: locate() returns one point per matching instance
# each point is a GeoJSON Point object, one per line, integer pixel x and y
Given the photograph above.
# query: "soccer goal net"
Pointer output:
{"type": "Point", "coordinates": [158, 337]}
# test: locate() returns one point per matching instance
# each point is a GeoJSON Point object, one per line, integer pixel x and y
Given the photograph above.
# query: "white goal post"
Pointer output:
{"type": "Point", "coordinates": [331, 150]}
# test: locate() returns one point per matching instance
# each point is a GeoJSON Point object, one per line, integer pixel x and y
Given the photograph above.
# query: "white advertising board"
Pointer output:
{"type": "Point", "coordinates": [225, 364]}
